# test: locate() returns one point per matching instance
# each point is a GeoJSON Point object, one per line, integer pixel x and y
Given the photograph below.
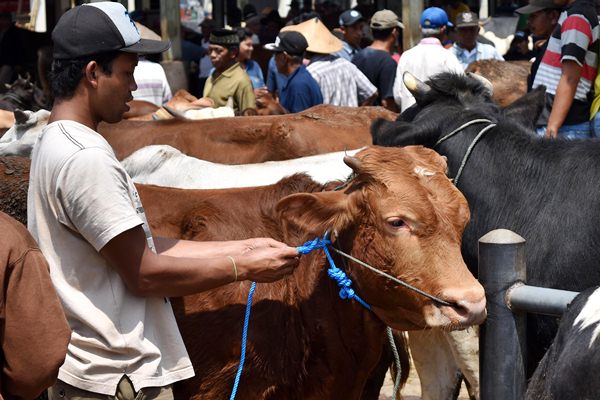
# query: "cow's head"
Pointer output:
{"type": "Point", "coordinates": [445, 102]}
{"type": "Point", "coordinates": [402, 215]}
{"type": "Point", "coordinates": [26, 122]}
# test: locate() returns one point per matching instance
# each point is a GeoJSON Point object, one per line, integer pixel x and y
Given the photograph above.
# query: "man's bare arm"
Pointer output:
{"type": "Point", "coordinates": [149, 274]}
{"type": "Point", "coordinates": [565, 93]}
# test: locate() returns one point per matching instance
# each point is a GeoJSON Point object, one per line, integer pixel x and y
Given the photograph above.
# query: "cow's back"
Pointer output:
{"type": "Point", "coordinates": [242, 140]}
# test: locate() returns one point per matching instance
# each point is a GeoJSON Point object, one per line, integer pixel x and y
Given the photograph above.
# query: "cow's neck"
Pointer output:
{"type": "Point", "coordinates": [505, 165]}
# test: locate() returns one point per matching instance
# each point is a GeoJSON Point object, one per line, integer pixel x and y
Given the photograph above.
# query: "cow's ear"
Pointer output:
{"type": "Point", "coordinates": [528, 108]}
{"type": "Point", "coordinates": [316, 213]}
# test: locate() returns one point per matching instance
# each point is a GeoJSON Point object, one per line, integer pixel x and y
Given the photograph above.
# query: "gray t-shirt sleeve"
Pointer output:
{"type": "Point", "coordinates": [93, 197]}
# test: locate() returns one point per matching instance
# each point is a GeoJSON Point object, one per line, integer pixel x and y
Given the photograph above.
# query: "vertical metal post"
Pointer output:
{"type": "Point", "coordinates": [502, 338]}
{"type": "Point", "coordinates": [170, 27]}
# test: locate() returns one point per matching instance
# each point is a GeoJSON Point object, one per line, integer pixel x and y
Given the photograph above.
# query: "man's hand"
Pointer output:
{"type": "Point", "coordinates": [551, 132]}
{"type": "Point", "coordinates": [267, 263]}
{"type": "Point", "coordinates": [257, 243]}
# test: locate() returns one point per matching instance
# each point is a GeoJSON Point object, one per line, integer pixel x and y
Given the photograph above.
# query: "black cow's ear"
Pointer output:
{"type": "Point", "coordinates": [398, 133]}
{"type": "Point", "coordinates": [528, 108]}
{"type": "Point", "coordinates": [382, 132]}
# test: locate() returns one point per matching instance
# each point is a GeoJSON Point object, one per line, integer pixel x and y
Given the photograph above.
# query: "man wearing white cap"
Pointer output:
{"type": "Point", "coordinates": [427, 58]}
{"type": "Point", "coordinates": [112, 276]}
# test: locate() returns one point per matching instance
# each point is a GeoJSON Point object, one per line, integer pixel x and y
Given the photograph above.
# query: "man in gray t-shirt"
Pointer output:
{"type": "Point", "coordinates": [112, 276]}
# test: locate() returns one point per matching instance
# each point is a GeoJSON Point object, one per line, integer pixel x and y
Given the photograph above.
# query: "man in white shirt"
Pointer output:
{"type": "Point", "coordinates": [427, 58]}
{"type": "Point", "coordinates": [112, 277]}
{"type": "Point", "coordinates": [467, 49]}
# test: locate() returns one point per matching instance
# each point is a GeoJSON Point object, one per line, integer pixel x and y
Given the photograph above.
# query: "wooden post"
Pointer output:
{"type": "Point", "coordinates": [170, 27]}
{"type": "Point", "coordinates": [411, 15]}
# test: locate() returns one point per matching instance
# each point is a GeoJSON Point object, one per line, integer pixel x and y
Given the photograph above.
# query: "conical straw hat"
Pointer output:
{"type": "Point", "coordinates": [319, 38]}
{"type": "Point", "coordinates": [146, 33]}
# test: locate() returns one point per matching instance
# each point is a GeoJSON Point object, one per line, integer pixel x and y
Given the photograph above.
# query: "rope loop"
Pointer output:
{"type": "Point", "coordinates": [338, 275]}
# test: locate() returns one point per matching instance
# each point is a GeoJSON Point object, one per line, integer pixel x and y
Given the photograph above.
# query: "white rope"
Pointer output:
{"type": "Point", "coordinates": [471, 146]}
{"type": "Point", "coordinates": [390, 336]}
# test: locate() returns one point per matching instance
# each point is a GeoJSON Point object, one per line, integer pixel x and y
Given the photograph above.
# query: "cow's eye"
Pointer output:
{"type": "Point", "coordinates": [397, 223]}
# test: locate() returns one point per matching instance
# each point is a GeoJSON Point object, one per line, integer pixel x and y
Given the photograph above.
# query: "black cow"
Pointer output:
{"type": "Point", "coordinates": [569, 370]}
{"type": "Point", "coordinates": [545, 190]}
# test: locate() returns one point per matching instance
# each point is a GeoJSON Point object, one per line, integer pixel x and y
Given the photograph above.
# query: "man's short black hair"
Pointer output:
{"type": "Point", "coordinates": [244, 33]}
{"type": "Point", "coordinates": [382, 34]}
{"type": "Point", "coordinates": [65, 75]}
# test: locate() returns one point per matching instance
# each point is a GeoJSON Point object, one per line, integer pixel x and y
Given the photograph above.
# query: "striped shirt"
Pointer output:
{"type": "Point", "coordinates": [574, 38]}
{"type": "Point", "coordinates": [152, 84]}
{"type": "Point", "coordinates": [341, 82]}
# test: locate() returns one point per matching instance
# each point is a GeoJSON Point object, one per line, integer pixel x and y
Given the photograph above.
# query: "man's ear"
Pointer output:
{"type": "Point", "coordinates": [91, 73]}
{"type": "Point", "coordinates": [316, 213]}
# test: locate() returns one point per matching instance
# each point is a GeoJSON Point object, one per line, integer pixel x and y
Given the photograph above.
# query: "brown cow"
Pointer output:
{"type": "Point", "coordinates": [242, 140]}
{"type": "Point", "coordinates": [508, 78]}
{"type": "Point", "coordinates": [14, 179]}
{"type": "Point", "coordinates": [400, 213]}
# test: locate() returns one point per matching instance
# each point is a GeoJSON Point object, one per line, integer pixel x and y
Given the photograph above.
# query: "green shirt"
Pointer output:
{"type": "Point", "coordinates": [233, 82]}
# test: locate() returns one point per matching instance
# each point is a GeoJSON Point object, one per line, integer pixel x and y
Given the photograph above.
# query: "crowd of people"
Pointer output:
{"type": "Point", "coordinates": [85, 215]}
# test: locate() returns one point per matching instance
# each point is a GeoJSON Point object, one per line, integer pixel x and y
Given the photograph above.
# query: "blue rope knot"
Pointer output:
{"type": "Point", "coordinates": [339, 276]}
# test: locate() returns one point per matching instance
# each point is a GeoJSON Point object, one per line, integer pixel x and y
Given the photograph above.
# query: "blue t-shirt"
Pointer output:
{"type": "Point", "coordinates": [300, 92]}
{"type": "Point", "coordinates": [255, 73]}
{"type": "Point", "coordinates": [275, 79]}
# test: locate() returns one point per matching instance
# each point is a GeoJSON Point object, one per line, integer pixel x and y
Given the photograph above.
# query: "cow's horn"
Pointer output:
{"type": "Point", "coordinates": [414, 85]}
{"type": "Point", "coordinates": [486, 83]}
{"type": "Point", "coordinates": [174, 112]}
{"type": "Point", "coordinates": [353, 163]}
{"type": "Point", "coordinates": [20, 116]}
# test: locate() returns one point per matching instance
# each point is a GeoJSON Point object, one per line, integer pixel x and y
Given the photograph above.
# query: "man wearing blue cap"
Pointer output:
{"type": "Point", "coordinates": [427, 58]}
{"type": "Point", "coordinates": [352, 25]}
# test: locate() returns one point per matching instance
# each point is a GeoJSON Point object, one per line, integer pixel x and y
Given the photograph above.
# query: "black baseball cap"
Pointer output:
{"type": "Point", "coordinates": [100, 27]}
{"type": "Point", "coordinates": [537, 5]}
{"type": "Point", "coordinates": [350, 17]}
{"type": "Point", "coordinates": [292, 42]}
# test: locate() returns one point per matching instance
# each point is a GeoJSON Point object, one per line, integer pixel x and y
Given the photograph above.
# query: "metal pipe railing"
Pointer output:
{"type": "Point", "coordinates": [502, 341]}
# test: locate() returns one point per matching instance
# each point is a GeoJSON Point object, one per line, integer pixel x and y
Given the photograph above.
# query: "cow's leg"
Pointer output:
{"type": "Point", "coordinates": [465, 348]}
{"type": "Point", "coordinates": [435, 365]}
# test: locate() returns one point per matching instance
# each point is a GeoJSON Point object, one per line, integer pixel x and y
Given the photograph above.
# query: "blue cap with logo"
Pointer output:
{"type": "Point", "coordinates": [350, 17]}
{"type": "Point", "coordinates": [434, 18]}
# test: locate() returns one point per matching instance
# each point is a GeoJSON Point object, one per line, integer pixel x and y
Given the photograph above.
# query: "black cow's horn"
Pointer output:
{"type": "Point", "coordinates": [415, 86]}
{"type": "Point", "coordinates": [353, 163]}
{"type": "Point", "coordinates": [486, 83]}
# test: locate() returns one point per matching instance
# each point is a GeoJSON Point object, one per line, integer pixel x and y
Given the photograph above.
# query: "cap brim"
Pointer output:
{"type": "Point", "coordinates": [450, 24]}
{"type": "Point", "coordinates": [146, 46]}
{"type": "Point", "coordinates": [529, 9]}
{"type": "Point", "coordinates": [353, 21]}
{"type": "Point", "coordinates": [272, 47]}
{"type": "Point", "coordinates": [468, 25]}
{"type": "Point", "coordinates": [400, 25]}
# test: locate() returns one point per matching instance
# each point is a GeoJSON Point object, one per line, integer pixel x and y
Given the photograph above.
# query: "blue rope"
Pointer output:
{"type": "Point", "coordinates": [342, 280]}
{"type": "Point", "coordinates": [238, 375]}
{"type": "Point", "coordinates": [346, 292]}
